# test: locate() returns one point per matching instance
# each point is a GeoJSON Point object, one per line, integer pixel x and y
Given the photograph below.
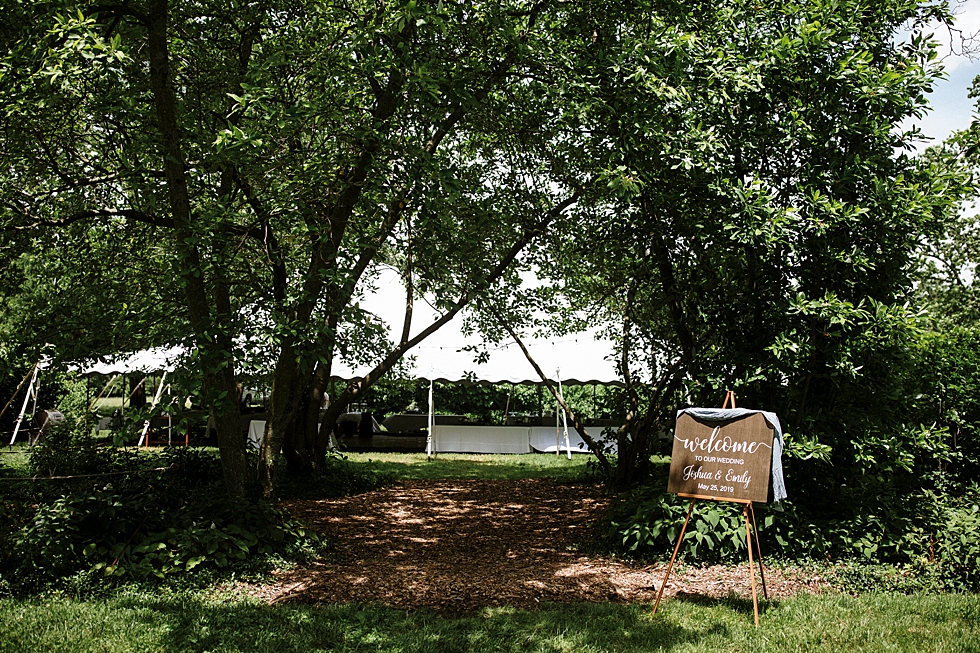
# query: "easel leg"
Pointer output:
{"type": "Point", "coordinates": [758, 549]}
{"type": "Point", "coordinates": [680, 538]}
{"type": "Point", "coordinates": [748, 543]}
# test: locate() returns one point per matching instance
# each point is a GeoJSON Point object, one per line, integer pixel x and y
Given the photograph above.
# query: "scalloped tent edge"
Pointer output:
{"type": "Point", "coordinates": [562, 360]}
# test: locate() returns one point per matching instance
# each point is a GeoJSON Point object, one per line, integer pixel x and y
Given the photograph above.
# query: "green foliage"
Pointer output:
{"type": "Point", "coordinates": [948, 539]}
{"type": "Point", "coordinates": [647, 522]}
{"type": "Point", "coordinates": [68, 449]}
{"type": "Point", "coordinates": [140, 523]}
{"type": "Point", "coordinates": [944, 390]}
{"type": "Point", "coordinates": [884, 541]}
{"type": "Point", "coordinates": [946, 270]}
{"type": "Point", "coordinates": [124, 532]}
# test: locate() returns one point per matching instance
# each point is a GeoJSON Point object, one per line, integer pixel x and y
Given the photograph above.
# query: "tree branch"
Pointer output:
{"type": "Point", "coordinates": [137, 216]}
{"type": "Point", "coordinates": [355, 389]}
{"type": "Point", "coordinates": [579, 427]}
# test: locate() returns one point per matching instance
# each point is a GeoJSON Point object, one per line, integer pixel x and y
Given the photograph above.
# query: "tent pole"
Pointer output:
{"type": "Point", "coordinates": [95, 403]}
{"type": "Point", "coordinates": [23, 408]}
{"type": "Point", "coordinates": [20, 385]}
{"type": "Point", "coordinates": [37, 391]}
{"type": "Point", "coordinates": [564, 420]}
{"type": "Point", "coordinates": [432, 423]}
{"type": "Point", "coordinates": [156, 400]}
{"type": "Point", "coordinates": [557, 425]}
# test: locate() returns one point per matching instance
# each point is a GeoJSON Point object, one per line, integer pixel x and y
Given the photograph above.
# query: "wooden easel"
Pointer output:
{"type": "Point", "coordinates": [746, 509]}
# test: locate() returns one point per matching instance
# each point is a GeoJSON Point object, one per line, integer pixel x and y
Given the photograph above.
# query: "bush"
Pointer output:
{"type": "Point", "coordinates": [68, 449]}
{"type": "Point", "coordinates": [949, 540]}
{"type": "Point", "coordinates": [145, 523]}
{"type": "Point", "coordinates": [646, 522]}
{"type": "Point", "coordinates": [196, 467]}
{"type": "Point", "coordinates": [142, 533]}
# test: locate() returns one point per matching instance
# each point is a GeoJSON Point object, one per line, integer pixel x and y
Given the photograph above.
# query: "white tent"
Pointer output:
{"type": "Point", "coordinates": [572, 360]}
{"type": "Point", "coordinates": [449, 356]}
{"type": "Point", "coordinates": [148, 361]}
{"type": "Point", "coordinates": [162, 360]}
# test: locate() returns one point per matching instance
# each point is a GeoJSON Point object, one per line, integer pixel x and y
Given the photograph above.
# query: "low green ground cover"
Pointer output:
{"type": "Point", "coordinates": [80, 518]}
{"type": "Point", "coordinates": [175, 621]}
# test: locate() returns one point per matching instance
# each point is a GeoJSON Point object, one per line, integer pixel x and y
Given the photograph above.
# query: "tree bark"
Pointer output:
{"type": "Point", "coordinates": [218, 389]}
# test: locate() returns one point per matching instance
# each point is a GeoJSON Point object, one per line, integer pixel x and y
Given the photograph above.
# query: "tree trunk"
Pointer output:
{"type": "Point", "coordinates": [215, 353]}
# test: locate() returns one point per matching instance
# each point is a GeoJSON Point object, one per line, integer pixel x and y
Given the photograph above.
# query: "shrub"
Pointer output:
{"type": "Point", "coordinates": [142, 532]}
{"type": "Point", "coordinates": [144, 523]}
{"type": "Point", "coordinates": [949, 540]}
{"type": "Point", "coordinates": [647, 522]}
{"type": "Point", "coordinates": [69, 450]}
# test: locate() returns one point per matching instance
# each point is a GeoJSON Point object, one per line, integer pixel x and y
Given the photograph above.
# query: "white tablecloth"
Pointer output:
{"type": "Point", "coordinates": [543, 439]}
{"type": "Point", "coordinates": [256, 428]}
{"type": "Point", "coordinates": [482, 439]}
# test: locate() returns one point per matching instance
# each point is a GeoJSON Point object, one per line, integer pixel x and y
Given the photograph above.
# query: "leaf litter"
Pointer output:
{"type": "Point", "coordinates": [456, 546]}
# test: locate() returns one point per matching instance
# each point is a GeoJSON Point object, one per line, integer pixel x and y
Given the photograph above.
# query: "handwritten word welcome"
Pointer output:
{"type": "Point", "coordinates": [714, 444]}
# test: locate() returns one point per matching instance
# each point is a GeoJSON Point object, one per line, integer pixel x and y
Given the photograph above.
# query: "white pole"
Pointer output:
{"type": "Point", "coordinates": [23, 409]}
{"type": "Point", "coordinates": [37, 391]}
{"type": "Point", "coordinates": [170, 421]}
{"type": "Point", "coordinates": [429, 443]}
{"type": "Point", "coordinates": [156, 400]}
{"type": "Point", "coordinates": [564, 420]}
{"type": "Point", "coordinates": [557, 426]}
{"type": "Point", "coordinates": [95, 404]}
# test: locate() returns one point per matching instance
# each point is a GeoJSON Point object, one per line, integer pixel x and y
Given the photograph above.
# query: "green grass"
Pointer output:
{"type": "Point", "coordinates": [169, 620]}
{"type": "Point", "coordinates": [13, 460]}
{"type": "Point", "coordinates": [464, 466]}
{"type": "Point", "coordinates": [194, 622]}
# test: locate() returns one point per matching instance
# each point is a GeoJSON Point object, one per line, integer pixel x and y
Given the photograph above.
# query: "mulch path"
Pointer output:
{"type": "Point", "coordinates": [457, 546]}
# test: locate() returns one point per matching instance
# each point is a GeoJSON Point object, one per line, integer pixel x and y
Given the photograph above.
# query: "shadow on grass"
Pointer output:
{"type": "Point", "coordinates": [197, 626]}
{"type": "Point", "coordinates": [734, 602]}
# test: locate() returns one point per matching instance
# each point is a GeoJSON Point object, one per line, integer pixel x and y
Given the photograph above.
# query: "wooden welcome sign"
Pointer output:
{"type": "Point", "coordinates": [722, 460]}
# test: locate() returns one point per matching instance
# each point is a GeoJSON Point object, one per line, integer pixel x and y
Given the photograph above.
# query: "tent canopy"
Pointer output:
{"type": "Point", "coordinates": [571, 360]}
{"type": "Point", "coordinates": [148, 361]}
{"type": "Point", "coordinates": [575, 360]}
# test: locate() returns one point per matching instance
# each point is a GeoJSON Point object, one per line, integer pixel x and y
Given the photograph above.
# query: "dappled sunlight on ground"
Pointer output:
{"type": "Point", "coordinates": [458, 546]}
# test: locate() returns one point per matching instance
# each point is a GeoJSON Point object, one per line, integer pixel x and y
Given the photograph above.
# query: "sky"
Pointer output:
{"type": "Point", "coordinates": [581, 356]}
{"type": "Point", "coordinates": [952, 110]}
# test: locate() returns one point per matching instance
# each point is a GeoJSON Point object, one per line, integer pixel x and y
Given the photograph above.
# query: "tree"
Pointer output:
{"type": "Point", "coordinates": [291, 147]}
{"type": "Point", "coordinates": [947, 257]}
{"type": "Point", "coordinates": [762, 210]}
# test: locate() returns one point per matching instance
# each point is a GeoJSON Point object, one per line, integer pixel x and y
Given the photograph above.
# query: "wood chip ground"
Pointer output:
{"type": "Point", "coordinates": [457, 546]}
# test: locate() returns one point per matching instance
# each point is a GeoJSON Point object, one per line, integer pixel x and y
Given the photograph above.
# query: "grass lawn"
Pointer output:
{"type": "Point", "coordinates": [464, 465]}
{"type": "Point", "coordinates": [165, 621]}
{"type": "Point", "coordinates": [169, 620]}
{"type": "Point", "coordinates": [14, 459]}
